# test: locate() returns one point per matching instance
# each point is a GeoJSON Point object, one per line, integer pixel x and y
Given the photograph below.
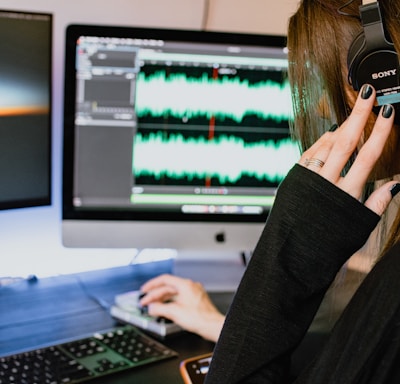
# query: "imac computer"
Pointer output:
{"type": "Point", "coordinates": [173, 138]}
{"type": "Point", "coordinates": [25, 109]}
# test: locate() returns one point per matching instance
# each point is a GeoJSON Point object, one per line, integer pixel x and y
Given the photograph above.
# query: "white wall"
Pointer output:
{"type": "Point", "coordinates": [30, 240]}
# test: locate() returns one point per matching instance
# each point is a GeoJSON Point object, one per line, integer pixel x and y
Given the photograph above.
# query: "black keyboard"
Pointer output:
{"type": "Point", "coordinates": [81, 360]}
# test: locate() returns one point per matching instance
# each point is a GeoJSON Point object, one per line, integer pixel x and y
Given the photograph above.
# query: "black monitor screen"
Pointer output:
{"type": "Point", "coordinates": [25, 109]}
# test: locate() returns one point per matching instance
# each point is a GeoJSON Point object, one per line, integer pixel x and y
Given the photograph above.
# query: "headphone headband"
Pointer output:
{"type": "Point", "coordinates": [372, 23]}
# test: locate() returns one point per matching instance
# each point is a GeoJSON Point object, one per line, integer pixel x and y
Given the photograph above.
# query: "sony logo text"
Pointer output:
{"type": "Point", "coordinates": [380, 75]}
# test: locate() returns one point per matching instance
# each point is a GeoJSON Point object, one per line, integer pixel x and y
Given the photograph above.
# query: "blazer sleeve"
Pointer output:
{"type": "Point", "coordinates": [313, 228]}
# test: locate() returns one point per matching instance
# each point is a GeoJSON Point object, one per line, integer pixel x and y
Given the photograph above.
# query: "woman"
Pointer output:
{"type": "Point", "coordinates": [322, 215]}
{"type": "Point", "coordinates": [319, 220]}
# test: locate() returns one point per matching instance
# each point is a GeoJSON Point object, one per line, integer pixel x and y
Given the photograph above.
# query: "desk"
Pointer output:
{"type": "Point", "coordinates": [53, 309]}
{"type": "Point", "coordinates": [58, 308]}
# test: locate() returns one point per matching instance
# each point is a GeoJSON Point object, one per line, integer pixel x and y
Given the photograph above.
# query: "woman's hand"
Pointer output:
{"type": "Point", "coordinates": [330, 153]}
{"type": "Point", "coordinates": [184, 302]}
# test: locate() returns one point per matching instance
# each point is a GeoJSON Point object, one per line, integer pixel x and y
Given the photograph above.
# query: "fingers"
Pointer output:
{"type": "Point", "coordinates": [369, 153]}
{"type": "Point", "coordinates": [185, 302]}
{"type": "Point", "coordinates": [329, 155]}
{"type": "Point", "coordinates": [164, 279]}
{"type": "Point", "coordinates": [165, 287]}
{"type": "Point", "coordinates": [170, 311]}
{"type": "Point", "coordinates": [159, 288]}
{"type": "Point", "coordinates": [334, 149]}
{"type": "Point", "coordinates": [158, 294]}
{"type": "Point", "coordinates": [349, 136]}
{"type": "Point", "coordinates": [315, 157]}
{"type": "Point", "coordinates": [380, 198]}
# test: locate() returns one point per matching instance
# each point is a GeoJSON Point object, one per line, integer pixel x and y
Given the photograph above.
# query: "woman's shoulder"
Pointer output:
{"type": "Point", "coordinates": [389, 264]}
{"type": "Point", "coordinates": [383, 281]}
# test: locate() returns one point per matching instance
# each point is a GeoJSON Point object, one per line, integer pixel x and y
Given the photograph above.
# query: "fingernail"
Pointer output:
{"type": "Point", "coordinates": [395, 189]}
{"type": "Point", "coordinates": [333, 128]}
{"type": "Point", "coordinates": [144, 310]}
{"type": "Point", "coordinates": [141, 295]}
{"type": "Point", "coordinates": [387, 111]}
{"type": "Point", "coordinates": [366, 91]}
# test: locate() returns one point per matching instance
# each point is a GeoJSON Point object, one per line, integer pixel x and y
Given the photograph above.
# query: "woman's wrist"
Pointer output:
{"type": "Point", "coordinates": [211, 326]}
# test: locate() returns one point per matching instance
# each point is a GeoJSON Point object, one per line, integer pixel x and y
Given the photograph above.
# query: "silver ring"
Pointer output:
{"type": "Point", "coordinates": [315, 162]}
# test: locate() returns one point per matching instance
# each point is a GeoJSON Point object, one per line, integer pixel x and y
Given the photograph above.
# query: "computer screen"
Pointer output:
{"type": "Point", "coordinates": [25, 109]}
{"type": "Point", "coordinates": [173, 138]}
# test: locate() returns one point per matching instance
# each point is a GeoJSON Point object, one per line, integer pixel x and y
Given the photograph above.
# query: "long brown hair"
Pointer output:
{"type": "Point", "coordinates": [319, 36]}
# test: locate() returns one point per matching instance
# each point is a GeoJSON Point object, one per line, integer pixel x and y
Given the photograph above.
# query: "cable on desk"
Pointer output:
{"type": "Point", "coordinates": [98, 300]}
{"type": "Point", "coordinates": [8, 280]}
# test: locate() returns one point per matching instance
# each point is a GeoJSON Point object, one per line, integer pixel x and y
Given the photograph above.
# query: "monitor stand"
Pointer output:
{"type": "Point", "coordinates": [216, 271]}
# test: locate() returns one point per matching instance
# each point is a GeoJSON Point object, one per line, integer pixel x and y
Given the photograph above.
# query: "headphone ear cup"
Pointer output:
{"type": "Point", "coordinates": [353, 59]}
{"type": "Point", "coordinates": [378, 67]}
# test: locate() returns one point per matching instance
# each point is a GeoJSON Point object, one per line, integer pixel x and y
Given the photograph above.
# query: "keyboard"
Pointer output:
{"type": "Point", "coordinates": [84, 359]}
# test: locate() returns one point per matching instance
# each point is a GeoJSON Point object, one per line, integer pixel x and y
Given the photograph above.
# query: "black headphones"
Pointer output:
{"type": "Point", "coordinates": [372, 58]}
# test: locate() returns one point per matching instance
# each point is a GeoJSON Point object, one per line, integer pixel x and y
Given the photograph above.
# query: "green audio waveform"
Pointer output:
{"type": "Point", "coordinates": [180, 96]}
{"type": "Point", "coordinates": [227, 158]}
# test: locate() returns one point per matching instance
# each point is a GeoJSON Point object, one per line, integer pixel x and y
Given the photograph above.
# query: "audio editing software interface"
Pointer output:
{"type": "Point", "coordinates": [195, 127]}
